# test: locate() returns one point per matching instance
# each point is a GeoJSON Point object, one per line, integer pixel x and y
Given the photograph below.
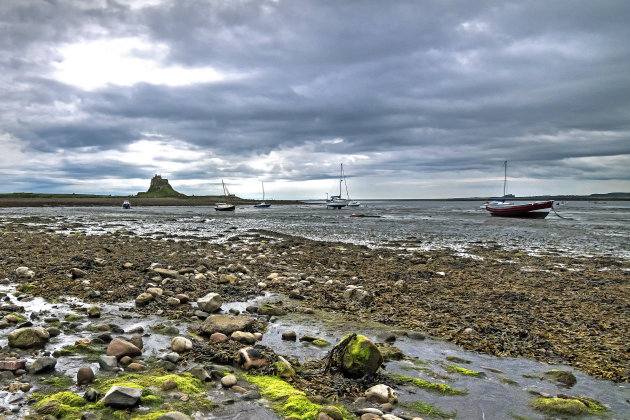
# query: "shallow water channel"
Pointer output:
{"type": "Point", "coordinates": [501, 393]}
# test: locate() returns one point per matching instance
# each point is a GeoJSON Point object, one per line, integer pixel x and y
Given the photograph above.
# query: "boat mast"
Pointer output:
{"type": "Point", "coordinates": [263, 187]}
{"type": "Point", "coordinates": [340, 179]}
{"type": "Point", "coordinates": [504, 176]}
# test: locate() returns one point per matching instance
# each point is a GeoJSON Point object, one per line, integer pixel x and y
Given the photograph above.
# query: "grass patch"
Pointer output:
{"type": "Point", "coordinates": [427, 409]}
{"type": "Point", "coordinates": [426, 385]}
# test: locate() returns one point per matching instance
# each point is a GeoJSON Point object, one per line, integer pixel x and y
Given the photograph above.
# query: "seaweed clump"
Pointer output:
{"type": "Point", "coordinates": [287, 400]}
{"type": "Point", "coordinates": [574, 406]}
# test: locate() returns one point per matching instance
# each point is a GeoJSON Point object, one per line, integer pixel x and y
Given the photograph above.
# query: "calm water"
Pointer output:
{"type": "Point", "coordinates": [586, 228]}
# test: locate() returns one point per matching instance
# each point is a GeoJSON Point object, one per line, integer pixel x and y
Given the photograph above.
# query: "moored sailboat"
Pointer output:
{"type": "Point", "coordinates": [225, 206]}
{"type": "Point", "coordinates": [335, 201]}
{"type": "Point", "coordinates": [535, 210]}
{"type": "Point", "coordinates": [262, 204]}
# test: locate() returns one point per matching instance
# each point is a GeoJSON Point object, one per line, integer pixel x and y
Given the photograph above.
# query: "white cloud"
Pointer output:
{"type": "Point", "coordinates": [124, 62]}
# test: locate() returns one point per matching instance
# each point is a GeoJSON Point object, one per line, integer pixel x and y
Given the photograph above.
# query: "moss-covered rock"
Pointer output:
{"type": "Point", "coordinates": [60, 404]}
{"type": "Point", "coordinates": [567, 406]}
{"type": "Point", "coordinates": [356, 356]}
{"type": "Point", "coordinates": [564, 377]}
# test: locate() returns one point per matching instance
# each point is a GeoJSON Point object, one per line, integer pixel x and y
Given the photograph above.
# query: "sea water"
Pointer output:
{"type": "Point", "coordinates": [575, 227]}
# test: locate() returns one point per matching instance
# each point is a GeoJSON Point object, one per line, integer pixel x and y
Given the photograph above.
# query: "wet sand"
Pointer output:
{"type": "Point", "coordinates": [552, 308]}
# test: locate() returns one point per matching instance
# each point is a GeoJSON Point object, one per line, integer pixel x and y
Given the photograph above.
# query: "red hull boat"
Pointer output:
{"type": "Point", "coordinates": [537, 210]}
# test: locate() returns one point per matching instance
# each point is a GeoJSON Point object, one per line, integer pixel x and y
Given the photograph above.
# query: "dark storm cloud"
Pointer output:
{"type": "Point", "coordinates": [419, 88]}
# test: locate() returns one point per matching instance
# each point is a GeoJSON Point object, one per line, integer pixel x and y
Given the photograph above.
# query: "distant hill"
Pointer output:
{"type": "Point", "coordinates": [160, 188]}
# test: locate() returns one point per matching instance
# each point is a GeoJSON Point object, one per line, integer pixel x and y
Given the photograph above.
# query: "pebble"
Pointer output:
{"type": "Point", "coordinates": [228, 381]}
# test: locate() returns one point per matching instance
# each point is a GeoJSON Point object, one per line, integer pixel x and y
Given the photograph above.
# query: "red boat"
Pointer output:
{"type": "Point", "coordinates": [536, 210]}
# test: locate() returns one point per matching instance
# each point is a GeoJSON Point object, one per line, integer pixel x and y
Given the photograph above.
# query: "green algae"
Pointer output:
{"type": "Point", "coordinates": [456, 359]}
{"type": "Point", "coordinates": [464, 371]}
{"type": "Point", "coordinates": [508, 381]}
{"type": "Point", "coordinates": [564, 377]}
{"type": "Point", "coordinates": [426, 385]}
{"type": "Point", "coordinates": [186, 382]}
{"type": "Point", "coordinates": [78, 349]}
{"type": "Point", "coordinates": [427, 409]}
{"type": "Point", "coordinates": [320, 342]}
{"type": "Point", "coordinates": [63, 382]}
{"type": "Point", "coordinates": [567, 406]}
{"type": "Point", "coordinates": [287, 400]}
{"type": "Point", "coordinates": [61, 405]}
{"type": "Point", "coordinates": [73, 317]}
{"type": "Point", "coordinates": [390, 353]}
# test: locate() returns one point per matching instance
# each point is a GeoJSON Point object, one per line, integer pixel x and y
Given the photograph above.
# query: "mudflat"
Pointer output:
{"type": "Point", "coordinates": [554, 308]}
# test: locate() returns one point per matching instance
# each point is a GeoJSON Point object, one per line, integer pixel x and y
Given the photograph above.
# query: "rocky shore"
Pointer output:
{"type": "Point", "coordinates": [552, 308]}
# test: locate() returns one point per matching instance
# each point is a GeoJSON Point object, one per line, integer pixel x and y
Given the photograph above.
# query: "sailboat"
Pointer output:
{"type": "Point", "coordinates": [225, 206]}
{"type": "Point", "coordinates": [351, 203]}
{"type": "Point", "coordinates": [335, 201]}
{"type": "Point", "coordinates": [262, 204]}
{"type": "Point", "coordinates": [536, 210]}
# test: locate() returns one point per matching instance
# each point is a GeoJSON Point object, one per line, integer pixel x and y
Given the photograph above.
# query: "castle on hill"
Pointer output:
{"type": "Point", "coordinates": [161, 188]}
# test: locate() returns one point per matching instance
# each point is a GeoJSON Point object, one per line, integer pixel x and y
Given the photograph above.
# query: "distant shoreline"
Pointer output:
{"type": "Point", "coordinates": [49, 200]}
{"type": "Point", "coordinates": [117, 201]}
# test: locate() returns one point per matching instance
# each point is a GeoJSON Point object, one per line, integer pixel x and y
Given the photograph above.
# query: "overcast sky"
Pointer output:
{"type": "Point", "coordinates": [418, 99]}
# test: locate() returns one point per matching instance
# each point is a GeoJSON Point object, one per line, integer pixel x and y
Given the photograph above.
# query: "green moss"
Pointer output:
{"type": "Point", "coordinates": [63, 382]}
{"type": "Point", "coordinates": [428, 409]}
{"type": "Point", "coordinates": [562, 376]}
{"type": "Point", "coordinates": [14, 318]}
{"type": "Point", "coordinates": [186, 382]}
{"type": "Point", "coordinates": [517, 417]}
{"type": "Point", "coordinates": [151, 400]}
{"type": "Point", "coordinates": [287, 400]}
{"type": "Point", "coordinates": [426, 385]}
{"type": "Point", "coordinates": [78, 349]}
{"type": "Point", "coordinates": [357, 350]}
{"type": "Point", "coordinates": [320, 342]}
{"type": "Point", "coordinates": [284, 370]}
{"type": "Point", "coordinates": [25, 288]}
{"type": "Point", "coordinates": [66, 397]}
{"type": "Point", "coordinates": [567, 406]}
{"type": "Point", "coordinates": [390, 353]}
{"type": "Point", "coordinates": [464, 371]}
{"type": "Point", "coordinates": [154, 415]}
{"type": "Point", "coordinates": [508, 381]}
{"type": "Point", "coordinates": [73, 317]}
{"type": "Point", "coordinates": [456, 359]}
{"type": "Point", "coordinates": [61, 404]}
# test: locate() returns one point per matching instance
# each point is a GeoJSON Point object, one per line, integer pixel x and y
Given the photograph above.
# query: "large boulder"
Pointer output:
{"type": "Point", "coordinates": [28, 337]}
{"type": "Point", "coordinates": [226, 324]}
{"type": "Point", "coordinates": [356, 356]}
{"type": "Point", "coordinates": [120, 348]}
{"type": "Point", "coordinates": [122, 397]}
{"type": "Point", "coordinates": [210, 302]}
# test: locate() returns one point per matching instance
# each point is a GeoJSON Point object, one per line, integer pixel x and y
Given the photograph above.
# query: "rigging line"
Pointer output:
{"type": "Point", "coordinates": [558, 214]}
